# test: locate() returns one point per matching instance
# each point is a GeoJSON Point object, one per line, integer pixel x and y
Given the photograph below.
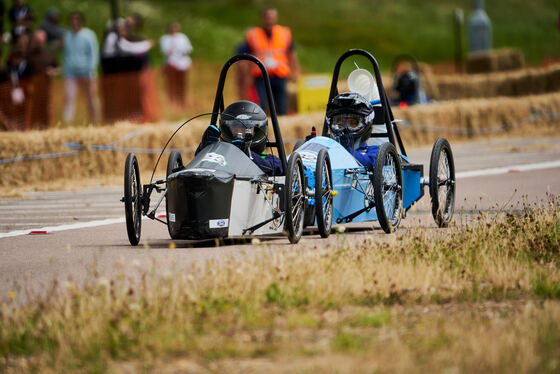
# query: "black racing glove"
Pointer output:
{"type": "Point", "coordinates": [211, 135]}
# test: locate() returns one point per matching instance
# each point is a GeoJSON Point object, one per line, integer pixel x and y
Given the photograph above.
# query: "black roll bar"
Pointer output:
{"type": "Point", "coordinates": [392, 129]}
{"type": "Point", "coordinates": [219, 102]}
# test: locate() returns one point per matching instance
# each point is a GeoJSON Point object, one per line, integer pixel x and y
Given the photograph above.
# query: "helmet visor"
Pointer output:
{"type": "Point", "coordinates": [348, 122]}
{"type": "Point", "coordinates": [239, 129]}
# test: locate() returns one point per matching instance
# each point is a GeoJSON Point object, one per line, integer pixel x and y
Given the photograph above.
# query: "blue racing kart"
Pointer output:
{"type": "Point", "coordinates": [341, 190]}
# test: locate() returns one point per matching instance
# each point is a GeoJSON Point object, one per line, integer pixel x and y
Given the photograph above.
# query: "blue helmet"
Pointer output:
{"type": "Point", "coordinates": [350, 119]}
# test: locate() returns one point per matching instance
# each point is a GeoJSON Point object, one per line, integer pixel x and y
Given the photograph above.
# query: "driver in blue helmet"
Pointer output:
{"type": "Point", "coordinates": [245, 125]}
{"type": "Point", "coordinates": [350, 121]}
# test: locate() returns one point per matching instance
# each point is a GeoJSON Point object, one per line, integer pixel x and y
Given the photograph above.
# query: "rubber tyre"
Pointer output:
{"type": "Point", "coordinates": [298, 144]}
{"type": "Point", "coordinates": [132, 199]}
{"type": "Point", "coordinates": [175, 160]}
{"type": "Point", "coordinates": [323, 189]}
{"type": "Point", "coordinates": [294, 199]}
{"type": "Point", "coordinates": [442, 182]}
{"type": "Point", "coordinates": [387, 158]}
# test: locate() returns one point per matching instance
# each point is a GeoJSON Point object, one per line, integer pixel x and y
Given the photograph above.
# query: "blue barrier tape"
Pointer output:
{"type": "Point", "coordinates": [38, 157]}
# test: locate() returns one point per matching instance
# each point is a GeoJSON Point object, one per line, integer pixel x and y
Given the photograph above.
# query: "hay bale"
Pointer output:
{"type": "Point", "coordinates": [428, 81]}
{"type": "Point", "coordinates": [528, 81]}
{"type": "Point", "coordinates": [481, 62]}
{"type": "Point", "coordinates": [495, 60]}
{"type": "Point", "coordinates": [510, 59]}
{"type": "Point", "coordinates": [463, 119]}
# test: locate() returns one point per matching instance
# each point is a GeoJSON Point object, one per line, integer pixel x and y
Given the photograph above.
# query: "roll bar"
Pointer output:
{"type": "Point", "coordinates": [219, 102]}
{"type": "Point", "coordinates": [392, 130]}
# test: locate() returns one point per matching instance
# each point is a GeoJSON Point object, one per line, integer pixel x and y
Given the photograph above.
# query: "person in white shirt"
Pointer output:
{"type": "Point", "coordinates": [176, 48]}
{"type": "Point", "coordinates": [117, 50]}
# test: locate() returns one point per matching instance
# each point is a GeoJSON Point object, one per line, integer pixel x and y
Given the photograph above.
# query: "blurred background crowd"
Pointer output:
{"type": "Point", "coordinates": [73, 62]}
{"type": "Point", "coordinates": [37, 49]}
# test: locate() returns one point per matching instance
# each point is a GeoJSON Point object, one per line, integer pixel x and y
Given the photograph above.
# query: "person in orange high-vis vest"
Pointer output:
{"type": "Point", "coordinates": [274, 46]}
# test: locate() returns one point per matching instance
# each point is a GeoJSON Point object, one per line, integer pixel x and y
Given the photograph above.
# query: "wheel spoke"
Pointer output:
{"type": "Point", "coordinates": [390, 187]}
{"type": "Point", "coordinates": [443, 185]}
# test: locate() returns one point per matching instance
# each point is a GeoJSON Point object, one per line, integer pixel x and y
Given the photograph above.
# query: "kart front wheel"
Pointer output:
{"type": "Point", "coordinates": [295, 198]}
{"type": "Point", "coordinates": [174, 162]}
{"type": "Point", "coordinates": [388, 187]}
{"type": "Point", "coordinates": [132, 199]}
{"type": "Point", "coordinates": [323, 193]}
{"type": "Point", "coordinates": [442, 182]}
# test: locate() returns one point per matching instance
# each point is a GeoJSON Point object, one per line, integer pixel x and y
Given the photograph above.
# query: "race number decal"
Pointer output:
{"type": "Point", "coordinates": [215, 158]}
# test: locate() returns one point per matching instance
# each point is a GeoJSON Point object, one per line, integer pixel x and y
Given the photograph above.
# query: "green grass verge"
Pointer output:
{"type": "Point", "coordinates": [324, 29]}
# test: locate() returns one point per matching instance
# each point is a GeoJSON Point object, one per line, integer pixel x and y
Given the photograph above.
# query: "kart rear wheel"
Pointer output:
{"type": "Point", "coordinates": [295, 198]}
{"type": "Point", "coordinates": [442, 182]}
{"type": "Point", "coordinates": [323, 193]}
{"type": "Point", "coordinates": [388, 187]}
{"type": "Point", "coordinates": [132, 199]}
{"type": "Point", "coordinates": [174, 162]}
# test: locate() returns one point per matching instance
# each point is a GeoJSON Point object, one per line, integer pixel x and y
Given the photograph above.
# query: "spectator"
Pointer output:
{"type": "Point", "coordinates": [16, 108]}
{"type": "Point", "coordinates": [176, 48]}
{"type": "Point", "coordinates": [122, 62]}
{"type": "Point", "coordinates": [151, 110]}
{"type": "Point", "coordinates": [274, 46]}
{"type": "Point", "coordinates": [117, 50]}
{"type": "Point", "coordinates": [43, 66]}
{"type": "Point", "coordinates": [21, 16]}
{"type": "Point", "coordinates": [53, 30]}
{"type": "Point", "coordinates": [80, 60]}
{"type": "Point", "coordinates": [18, 69]}
{"type": "Point", "coordinates": [41, 60]}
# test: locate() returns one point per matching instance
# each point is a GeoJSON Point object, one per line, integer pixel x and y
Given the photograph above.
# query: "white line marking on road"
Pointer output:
{"type": "Point", "coordinates": [507, 169]}
{"type": "Point", "coordinates": [72, 226]}
{"type": "Point", "coordinates": [33, 205]}
{"type": "Point", "coordinates": [459, 175]}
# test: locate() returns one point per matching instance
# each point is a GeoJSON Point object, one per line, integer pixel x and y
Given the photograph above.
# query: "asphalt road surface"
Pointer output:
{"type": "Point", "coordinates": [87, 227]}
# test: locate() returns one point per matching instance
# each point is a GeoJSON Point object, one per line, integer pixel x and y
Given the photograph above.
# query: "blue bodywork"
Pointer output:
{"type": "Point", "coordinates": [351, 181]}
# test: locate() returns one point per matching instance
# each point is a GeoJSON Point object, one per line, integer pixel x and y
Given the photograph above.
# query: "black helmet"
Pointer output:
{"type": "Point", "coordinates": [407, 85]}
{"type": "Point", "coordinates": [350, 119]}
{"type": "Point", "coordinates": [245, 124]}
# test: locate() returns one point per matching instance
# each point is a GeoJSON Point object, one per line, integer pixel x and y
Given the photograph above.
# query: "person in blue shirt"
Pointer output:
{"type": "Point", "coordinates": [245, 125]}
{"type": "Point", "coordinates": [80, 58]}
{"type": "Point", "coordinates": [350, 120]}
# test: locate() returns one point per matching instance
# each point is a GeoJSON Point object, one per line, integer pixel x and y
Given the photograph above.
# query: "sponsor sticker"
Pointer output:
{"type": "Point", "coordinates": [314, 147]}
{"type": "Point", "coordinates": [201, 169]}
{"type": "Point", "coordinates": [308, 157]}
{"type": "Point", "coordinates": [171, 217]}
{"type": "Point", "coordinates": [218, 223]}
{"type": "Point", "coordinates": [215, 158]}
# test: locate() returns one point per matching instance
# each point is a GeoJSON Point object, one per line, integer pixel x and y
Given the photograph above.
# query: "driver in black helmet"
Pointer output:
{"type": "Point", "coordinates": [350, 120]}
{"type": "Point", "coordinates": [245, 125]}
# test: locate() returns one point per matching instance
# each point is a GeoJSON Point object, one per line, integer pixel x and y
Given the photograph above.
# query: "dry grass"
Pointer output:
{"type": "Point", "coordinates": [459, 120]}
{"type": "Point", "coordinates": [481, 296]}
